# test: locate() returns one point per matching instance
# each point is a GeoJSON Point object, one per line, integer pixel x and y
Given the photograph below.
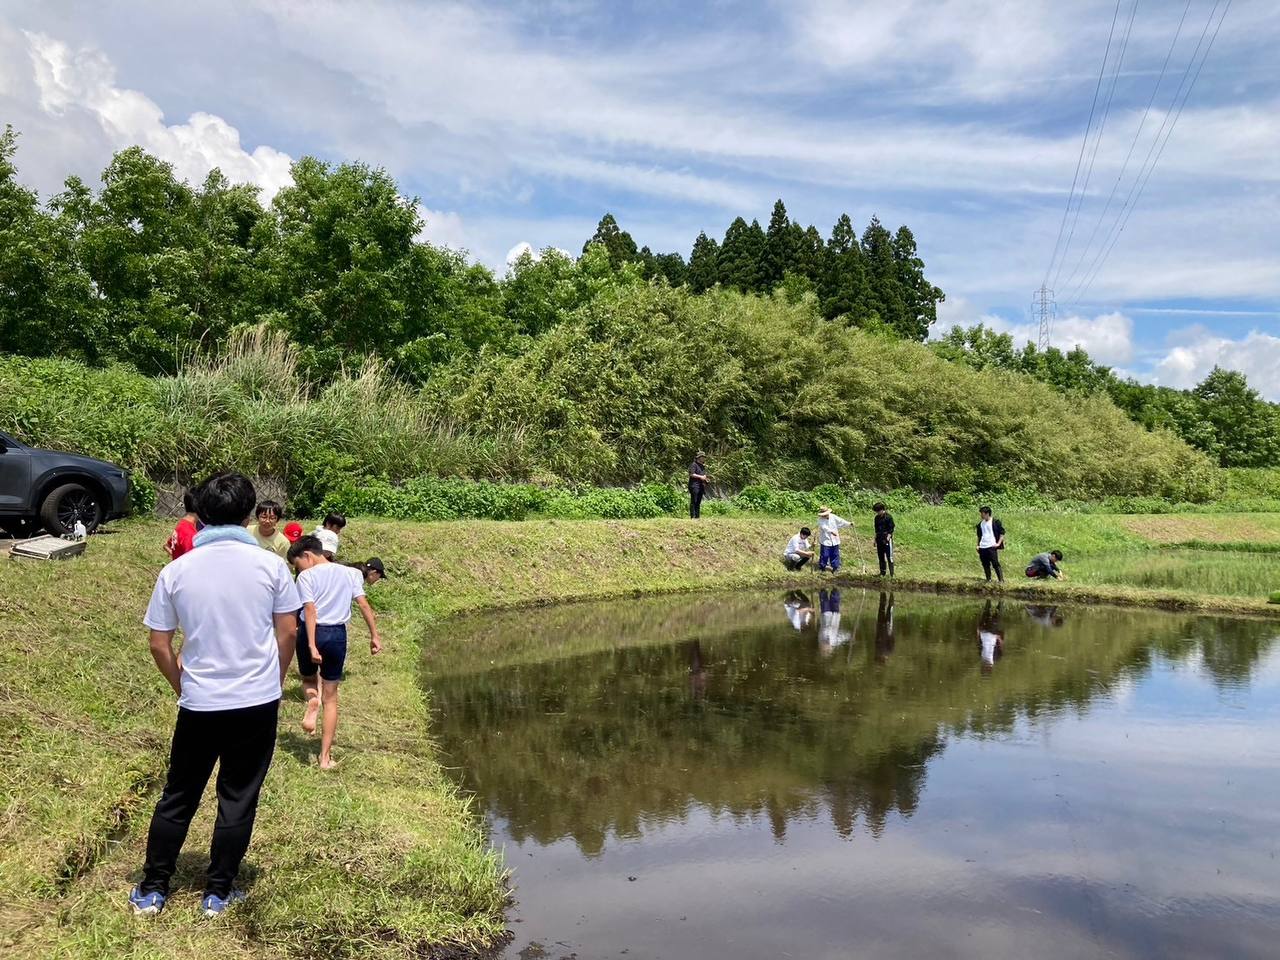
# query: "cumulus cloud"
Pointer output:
{"type": "Point", "coordinates": [524, 246]}
{"type": "Point", "coordinates": [442, 228]}
{"type": "Point", "coordinates": [1256, 355]}
{"type": "Point", "coordinates": [84, 82]}
{"type": "Point", "coordinates": [1107, 337]}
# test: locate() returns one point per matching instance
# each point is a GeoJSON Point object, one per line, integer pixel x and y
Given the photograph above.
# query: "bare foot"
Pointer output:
{"type": "Point", "coordinates": [328, 763]}
{"type": "Point", "coordinates": [309, 718]}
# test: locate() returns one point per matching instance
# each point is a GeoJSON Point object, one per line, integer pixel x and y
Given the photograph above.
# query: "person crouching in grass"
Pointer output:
{"type": "Point", "coordinates": [1045, 566]}
{"type": "Point", "coordinates": [266, 530]}
{"type": "Point", "coordinates": [799, 550]}
{"type": "Point", "coordinates": [237, 607]}
{"type": "Point", "coordinates": [327, 590]}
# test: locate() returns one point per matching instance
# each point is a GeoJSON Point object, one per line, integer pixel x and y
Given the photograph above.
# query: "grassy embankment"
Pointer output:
{"type": "Point", "coordinates": [381, 858]}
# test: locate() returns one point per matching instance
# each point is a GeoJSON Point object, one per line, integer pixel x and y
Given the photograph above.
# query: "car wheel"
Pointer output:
{"type": "Point", "coordinates": [67, 504]}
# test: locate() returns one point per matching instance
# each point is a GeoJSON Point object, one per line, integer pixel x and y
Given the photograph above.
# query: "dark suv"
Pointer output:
{"type": "Point", "coordinates": [54, 490]}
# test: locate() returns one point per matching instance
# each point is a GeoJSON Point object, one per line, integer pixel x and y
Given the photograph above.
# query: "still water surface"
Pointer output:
{"type": "Point", "coordinates": [852, 774]}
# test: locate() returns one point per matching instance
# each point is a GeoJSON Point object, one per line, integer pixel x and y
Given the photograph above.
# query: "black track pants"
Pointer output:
{"type": "Point", "coordinates": [990, 557]}
{"type": "Point", "coordinates": [241, 742]}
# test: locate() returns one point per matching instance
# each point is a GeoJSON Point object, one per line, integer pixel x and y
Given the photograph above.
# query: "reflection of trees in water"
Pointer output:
{"type": "Point", "coordinates": [747, 719]}
{"type": "Point", "coordinates": [1230, 649]}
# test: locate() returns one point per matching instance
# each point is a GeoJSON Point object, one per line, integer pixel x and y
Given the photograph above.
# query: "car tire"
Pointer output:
{"type": "Point", "coordinates": [67, 503]}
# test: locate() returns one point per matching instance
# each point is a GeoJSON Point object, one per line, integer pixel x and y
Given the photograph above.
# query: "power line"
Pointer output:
{"type": "Point", "coordinates": [1112, 234]}
{"type": "Point", "coordinates": [1102, 71]}
{"type": "Point", "coordinates": [1097, 142]}
{"type": "Point", "coordinates": [1144, 174]}
{"type": "Point", "coordinates": [1129, 155]}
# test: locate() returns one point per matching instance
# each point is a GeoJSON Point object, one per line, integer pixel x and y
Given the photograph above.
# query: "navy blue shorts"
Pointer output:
{"type": "Point", "coordinates": [331, 641]}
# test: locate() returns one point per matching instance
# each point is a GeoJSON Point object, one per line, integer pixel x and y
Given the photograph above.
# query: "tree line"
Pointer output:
{"type": "Point", "coordinates": [1221, 416]}
{"type": "Point", "coordinates": [875, 282]}
{"type": "Point", "coordinates": [147, 269]}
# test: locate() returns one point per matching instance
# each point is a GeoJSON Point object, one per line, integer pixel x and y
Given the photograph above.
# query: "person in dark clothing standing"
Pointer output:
{"type": "Point", "coordinates": [698, 480]}
{"type": "Point", "coordinates": [990, 543]}
{"type": "Point", "coordinates": [884, 538]}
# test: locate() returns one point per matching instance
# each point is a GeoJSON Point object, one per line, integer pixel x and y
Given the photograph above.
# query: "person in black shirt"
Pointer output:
{"type": "Point", "coordinates": [698, 480]}
{"type": "Point", "coordinates": [884, 538]}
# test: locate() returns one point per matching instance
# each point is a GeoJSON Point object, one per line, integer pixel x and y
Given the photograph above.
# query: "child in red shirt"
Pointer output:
{"type": "Point", "coordinates": [183, 538]}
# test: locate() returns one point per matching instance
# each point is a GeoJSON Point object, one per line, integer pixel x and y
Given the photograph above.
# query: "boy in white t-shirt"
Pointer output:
{"type": "Point", "coordinates": [798, 551]}
{"type": "Point", "coordinates": [328, 533]}
{"type": "Point", "coordinates": [327, 590]}
{"type": "Point", "coordinates": [236, 606]}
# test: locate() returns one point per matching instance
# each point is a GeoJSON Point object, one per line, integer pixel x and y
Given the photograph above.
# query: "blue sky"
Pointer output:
{"type": "Point", "coordinates": [523, 123]}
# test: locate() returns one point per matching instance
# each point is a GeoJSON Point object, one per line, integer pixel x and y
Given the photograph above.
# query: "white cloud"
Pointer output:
{"type": "Point", "coordinates": [524, 246]}
{"type": "Point", "coordinates": [519, 250]}
{"type": "Point", "coordinates": [1107, 338]}
{"type": "Point", "coordinates": [1256, 355]}
{"type": "Point", "coordinates": [651, 179]}
{"type": "Point", "coordinates": [442, 228]}
{"type": "Point", "coordinates": [833, 105]}
{"type": "Point", "coordinates": [928, 39]}
{"type": "Point", "coordinates": [83, 82]}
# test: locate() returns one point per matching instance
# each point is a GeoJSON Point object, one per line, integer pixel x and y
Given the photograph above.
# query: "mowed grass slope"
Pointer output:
{"type": "Point", "coordinates": [383, 858]}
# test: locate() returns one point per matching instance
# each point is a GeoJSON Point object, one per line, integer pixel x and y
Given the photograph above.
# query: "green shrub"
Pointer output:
{"type": "Point", "coordinates": [431, 498]}
{"type": "Point", "coordinates": [142, 494]}
{"type": "Point", "coordinates": [636, 379]}
{"type": "Point", "coordinates": [247, 409]}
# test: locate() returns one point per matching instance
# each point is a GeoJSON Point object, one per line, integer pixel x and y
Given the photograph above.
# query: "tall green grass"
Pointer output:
{"type": "Point", "coordinates": [247, 407]}
{"type": "Point", "coordinates": [1230, 573]}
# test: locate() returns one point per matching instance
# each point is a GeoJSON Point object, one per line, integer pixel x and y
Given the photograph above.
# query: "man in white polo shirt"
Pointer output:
{"type": "Point", "coordinates": [237, 607]}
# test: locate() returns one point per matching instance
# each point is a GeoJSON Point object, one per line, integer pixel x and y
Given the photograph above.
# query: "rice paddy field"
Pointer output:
{"type": "Point", "coordinates": [387, 857]}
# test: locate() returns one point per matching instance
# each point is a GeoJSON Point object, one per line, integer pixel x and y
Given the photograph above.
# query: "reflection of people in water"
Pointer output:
{"type": "Point", "coordinates": [990, 635]}
{"type": "Point", "coordinates": [884, 628]}
{"type": "Point", "coordinates": [697, 672]}
{"type": "Point", "coordinates": [799, 610]}
{"type": "Point", "coordinates": [830, 635]}
{"type": "Point", "coordinates": [1045, 616]}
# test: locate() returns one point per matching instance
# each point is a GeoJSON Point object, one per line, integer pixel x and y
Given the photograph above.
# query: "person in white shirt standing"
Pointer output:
{"type": "Point", "coordinates": [799, 550]}
{"type": "Point", "coordinates": [990, 542]}
{"type": "Point", "coordinates": [328, 590]}
{"type": "Point", "coordinates": [829, 526]}
{"type": "Point", "coordinates": [236, 605]}
{"type": "Point", "coordinates": [328, 533]}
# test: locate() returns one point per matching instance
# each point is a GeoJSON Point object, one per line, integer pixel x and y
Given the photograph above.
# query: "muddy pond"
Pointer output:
{"type": "Point", "coordinates": [856, 774]}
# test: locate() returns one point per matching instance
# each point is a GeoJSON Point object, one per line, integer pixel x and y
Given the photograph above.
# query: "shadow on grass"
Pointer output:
{"type": "Point", "coordinates": [191, 870]}
{"type": "Point", "coordinates": [303, 747]}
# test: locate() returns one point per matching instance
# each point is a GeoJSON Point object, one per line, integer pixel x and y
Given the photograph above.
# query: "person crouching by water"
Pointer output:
{"type": "Point", "coordinates": [990, 543]}
{"type": "Point", "coordinates": [799, 550]}
{"type": "Point", "coordinates": [884, 538]}
{"type": "Point", "coordinates": [698, 480]}
{"type": "Point", "coordinates": [829, 539]}
{"type": "Point", "coordinates": [1045, 566]}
